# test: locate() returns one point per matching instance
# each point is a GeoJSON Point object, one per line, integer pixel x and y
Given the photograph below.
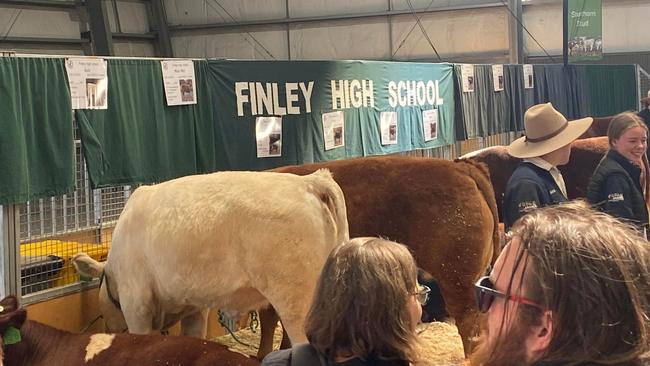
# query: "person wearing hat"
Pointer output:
{"type": "Point", "coordinates": [645, 113]}
{"type": "Point", "coordinates": [546, 144]}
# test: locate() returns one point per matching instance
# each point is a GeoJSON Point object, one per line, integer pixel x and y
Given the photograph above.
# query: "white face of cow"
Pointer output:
{"type": "Point", "coordinates": [113, 317]}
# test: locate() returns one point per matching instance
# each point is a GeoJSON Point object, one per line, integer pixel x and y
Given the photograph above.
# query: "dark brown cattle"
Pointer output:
{"type": "Point", "coordinates": [598, 128]}
{"type": "Point", "coordinates": [443, 211]}
{"type": "Point", "coordinates": [585, 156]}
{"type": "Point", "coordinates": [42, 345]}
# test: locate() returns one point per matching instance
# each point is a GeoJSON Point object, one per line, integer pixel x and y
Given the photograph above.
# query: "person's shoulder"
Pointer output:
{"type": "Point", "coordinates": [278, 358]}
{"type": "Point", "coordinates": [528, 170]}
{"type": "Point", "coordinates": [525, 174]}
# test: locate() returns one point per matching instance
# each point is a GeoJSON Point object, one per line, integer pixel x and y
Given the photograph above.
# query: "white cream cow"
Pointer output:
{"type": "Point", "coordinates": [236, 241]}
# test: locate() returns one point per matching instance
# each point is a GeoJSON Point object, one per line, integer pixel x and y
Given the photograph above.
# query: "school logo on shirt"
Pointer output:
{"type": "Point", "coordinates": [615, 197]}
{"type": "Point", "coordinates": [527, 205]}
{"type": "Point", "coordinates": [552, 191]}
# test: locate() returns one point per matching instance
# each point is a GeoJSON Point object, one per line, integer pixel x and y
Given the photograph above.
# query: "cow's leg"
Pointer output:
{"type": "Point", "coordinates": [195, 324]}
{"type": "Point", "coordinates": [138, 314]}
{"type": "Point", "coordinates": [292, 307]}
{"type": "Point", "coordinates": [268, 321]}
{"type": "Point", "coordinates": [468, 328]}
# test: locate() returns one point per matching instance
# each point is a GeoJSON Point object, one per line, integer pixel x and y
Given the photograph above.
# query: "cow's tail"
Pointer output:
{"type": "Point", "coordinates": [87, 266]}
{"type": "Point", "coordinates": [331, 195]}
{"type": "Point", "coordinates": [479, 172]}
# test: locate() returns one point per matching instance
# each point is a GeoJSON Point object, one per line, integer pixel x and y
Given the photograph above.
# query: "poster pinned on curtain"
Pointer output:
{"type": "Point", "coordinates": [268, 133]}
{"type": "Point", "coordinates": [430, 124]}
{"type": "Point", "coordinates": [88, 82]}
{"type": "Point", "coordinates": [333, 129]}
{"type": "Point", "coordinates": [179, 81]}
{"type": "Point", "coordinates": [467, 73]}
{"type": "Point", "coordinates": [388, 125]}
{"type": "Point", "coordinates": [528, 77]}
{"type": "Point", "coordinates": [497, 77]}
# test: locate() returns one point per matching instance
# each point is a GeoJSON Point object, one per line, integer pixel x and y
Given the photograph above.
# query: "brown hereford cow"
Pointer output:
{"type": "Point", "coordinates": [444, 211]}
{"type": "Point", "coordinates": [585, 156]}
{"type": "Point", "coordinates": [598, 128]}
{"type": "Point", "coordinates": [42, 345]}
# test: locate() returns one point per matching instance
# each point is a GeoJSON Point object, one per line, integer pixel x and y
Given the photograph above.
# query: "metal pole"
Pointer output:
{"type": "Point", "coordinates": [565, 32]}
{"type": "Point", "coordinates": [390, 29]}
{"type": "Point", "coordinates": [102, 37]}
{"type": "Point", "coordinates": [288, 31]}
{"type": "Point", "coordinates": [520, 32]}
{"type": "Point", "coordinates": [163, 40]}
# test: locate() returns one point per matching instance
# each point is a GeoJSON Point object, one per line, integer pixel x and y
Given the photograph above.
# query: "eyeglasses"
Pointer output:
{"type": "Point", "coordinates": [422, 296]}
{"type": "Point", "coordinates": [485, 295]}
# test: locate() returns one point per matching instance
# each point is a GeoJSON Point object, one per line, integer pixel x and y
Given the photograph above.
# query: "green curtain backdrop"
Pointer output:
{"type": "Point", "coordinates": [576, 91]}
{"type": "Point", "coordinates": [486, 111]}
{"type": "Point", "coordinates": [302, 133]}
{"type": "Point", "coordinates": [36, 137]}
{"type": "Point", "coordinates": [612, 89]}
{"type": "Point", "coordinates": [139, 139]}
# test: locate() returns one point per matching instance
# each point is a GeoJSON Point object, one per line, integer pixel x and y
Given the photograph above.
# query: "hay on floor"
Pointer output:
{"type": "Point", "coordinates": [442, 344]}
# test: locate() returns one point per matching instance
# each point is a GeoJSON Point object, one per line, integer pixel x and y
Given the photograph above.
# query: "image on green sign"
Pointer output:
{"type": "Point", "coordinates": [585, 30]}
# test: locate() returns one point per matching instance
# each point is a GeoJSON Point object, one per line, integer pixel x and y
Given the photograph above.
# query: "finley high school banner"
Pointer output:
{"type": "Point", "coordinates": [585, 30]}
{"type": "Point", "coordinates": [269, 114]}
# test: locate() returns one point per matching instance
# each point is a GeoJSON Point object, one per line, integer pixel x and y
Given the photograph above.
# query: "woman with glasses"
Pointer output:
{"type": "Point", "coordinates": [570, 288]}
{"type": "Point", "coordinates": [365, 309]}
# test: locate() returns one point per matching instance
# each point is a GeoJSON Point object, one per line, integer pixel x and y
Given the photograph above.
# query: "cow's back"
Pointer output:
{"type": "Point", "coordinates": [206, 239]}
{"type": "Point", "coordinates": [585, 156]}
{"type": "Point", "coordinates": [434, 206]}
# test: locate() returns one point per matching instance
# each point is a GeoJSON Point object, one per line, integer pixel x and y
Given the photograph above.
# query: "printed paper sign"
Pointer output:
{"type": "Point", "coordinates": [179, 82]}
{"type": "Point", "coordinates": [497, 77]}
{"type": "Point", "coordinates": [430, 124]}
{"type": "Point", "coordinates": [467, 73]}
{"type": "Point", "coordinates": [268, 133]}
{"type": "Point", "coordinates": [528, 77]}
{"type": "Point", "coordinates": [333, 129]}
{"type": "Point", "coordinates": [88, 83]}
{"type": "Point", "coordinates": [388, 125]}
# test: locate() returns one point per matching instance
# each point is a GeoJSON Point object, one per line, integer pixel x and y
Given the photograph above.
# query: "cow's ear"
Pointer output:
{"type": "Point", "coordinates": [10, 314]}
{"type": "Point", "coordinates": [87, 266]}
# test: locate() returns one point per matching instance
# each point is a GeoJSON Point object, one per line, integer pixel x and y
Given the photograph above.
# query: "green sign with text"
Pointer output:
{"type": "Point", "coordinates": [585, 30]}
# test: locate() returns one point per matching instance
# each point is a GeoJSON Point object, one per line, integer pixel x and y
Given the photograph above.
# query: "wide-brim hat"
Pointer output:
{"type": "Point", "coordinates": [546, 130]}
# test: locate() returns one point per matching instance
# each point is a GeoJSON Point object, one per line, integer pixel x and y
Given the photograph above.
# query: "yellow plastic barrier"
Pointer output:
{"type": "Point", "coordinates": [64, 250]}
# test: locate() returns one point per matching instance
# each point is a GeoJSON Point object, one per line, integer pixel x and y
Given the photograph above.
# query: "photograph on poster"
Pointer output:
{"type": "Point", "coordinates": [470, 83]}
{"type": "Point", "coordinates": [187, 91]}
{"type": "Point", "coordinates": [268, 133]}
{"type": "Point", "coordinates": [96, 93]}
{"type": "Point", "coordinates": [338, 136]}
{"type": "Point", "coordinates": [333, 129]}
{"type": "Point", "coordinates": [274, 144]}
{"type": "Point", "coordinates": [388, 127]}
{"type": "Point", "coordinates": [430, 124]}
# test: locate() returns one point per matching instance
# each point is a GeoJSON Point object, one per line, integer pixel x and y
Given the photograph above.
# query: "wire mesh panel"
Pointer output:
{"type": "Point", "coordinates": [54, 229]}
